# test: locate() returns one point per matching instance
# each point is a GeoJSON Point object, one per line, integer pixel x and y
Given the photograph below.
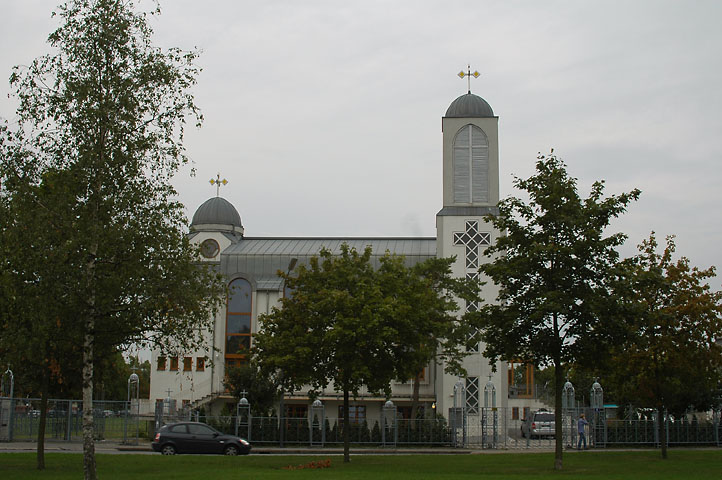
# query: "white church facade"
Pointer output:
{"type": "Point", "coordinates": [250, 265]}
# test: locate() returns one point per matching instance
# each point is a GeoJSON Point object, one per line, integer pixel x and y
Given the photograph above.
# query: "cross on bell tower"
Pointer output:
{"type": "Point", "coordinates": [468, 74]}
{"type": "Point", "coordinates": [218, 182]}
{"type": "Point", "coordinates": [472, 239]}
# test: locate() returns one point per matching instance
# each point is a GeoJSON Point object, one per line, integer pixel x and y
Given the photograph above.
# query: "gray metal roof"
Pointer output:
{"type": "Point", "coordinates": [259, 259]}
{"type": "Point", "coordinates": [468, 211]}
{"type": "Point", "coordinates": [469, 105]}
{"type": "Point", "coordinates": [216, 211]}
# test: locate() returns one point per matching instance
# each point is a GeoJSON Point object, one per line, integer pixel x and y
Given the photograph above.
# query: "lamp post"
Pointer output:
{"type": "Point", "coordinates": [243, 415]}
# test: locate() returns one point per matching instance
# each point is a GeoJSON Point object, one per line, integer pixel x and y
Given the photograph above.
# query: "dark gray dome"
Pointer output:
{"type": "Point", "coordinates": [469, 105]}
{"type": "Point", "coordinates": [216, 211]}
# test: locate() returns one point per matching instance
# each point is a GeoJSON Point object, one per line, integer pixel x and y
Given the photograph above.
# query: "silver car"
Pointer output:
{"type": "Point", "coordinates": [539, 424]}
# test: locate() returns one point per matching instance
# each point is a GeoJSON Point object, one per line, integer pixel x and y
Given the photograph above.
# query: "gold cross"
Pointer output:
{"type": "Point", "coordinates": [468, 73]}
{"type": "Point", "coordinates": [218, 182]}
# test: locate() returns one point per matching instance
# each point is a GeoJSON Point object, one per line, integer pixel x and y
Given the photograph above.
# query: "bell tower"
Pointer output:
{"type": "Point", "coordinates": [470, 193]}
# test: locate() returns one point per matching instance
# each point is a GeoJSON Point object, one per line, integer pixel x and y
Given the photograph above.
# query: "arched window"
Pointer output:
{"type": "Point", "coordinates": [238, 321]}
{"type": "Point", "coordinates": [471, 165]}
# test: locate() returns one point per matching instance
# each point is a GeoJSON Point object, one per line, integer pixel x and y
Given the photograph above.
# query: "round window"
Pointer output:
{"type": "Point", "coordinates": [210, 248]}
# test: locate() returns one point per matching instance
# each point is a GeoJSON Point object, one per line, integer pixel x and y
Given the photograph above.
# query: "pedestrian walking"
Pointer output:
{"type": "Point", "coordinates": [580, 430]}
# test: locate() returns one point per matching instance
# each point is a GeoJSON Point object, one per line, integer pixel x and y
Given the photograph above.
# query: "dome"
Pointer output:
{"type": "Point", "coordinates": [217, 211]}
{"type": "Point", "coordinates": [469, 105]}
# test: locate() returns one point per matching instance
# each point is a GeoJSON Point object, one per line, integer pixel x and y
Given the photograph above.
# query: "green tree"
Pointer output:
{"type": "Point", "coordinates": [670, 359]}
{"type": "Point", "coordinates": [425, 316]}
{"type": "Point", "coordinates": [259, 388]}
{"type": "Point", "coordinates": [351, 325]}
{"type": "Point", "coordinates": [551, 268]}
{"type": "Point", "coordinates": [103, 119]}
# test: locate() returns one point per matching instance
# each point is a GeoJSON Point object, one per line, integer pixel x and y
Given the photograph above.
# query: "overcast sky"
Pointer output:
{"type": "Point", "coordinates": [325, 116]}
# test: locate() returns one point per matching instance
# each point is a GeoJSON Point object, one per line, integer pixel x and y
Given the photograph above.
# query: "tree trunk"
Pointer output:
{"type": "Point", "coordinates": [346, 427]}
{"type": "Point", "coordinates": [415, 398]}
{"type": "Point", "coordinates": [558, 440]}
{"type": "Point", "coordinates": [89, 468]}
{"type": "Point", "coordinates": [43, 418]}
{"type": "Point", "coordinates": [661, 426]}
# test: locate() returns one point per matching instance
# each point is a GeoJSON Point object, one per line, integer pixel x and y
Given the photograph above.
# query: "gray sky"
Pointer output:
{"type": "Point", "coordinates": [325, 116]}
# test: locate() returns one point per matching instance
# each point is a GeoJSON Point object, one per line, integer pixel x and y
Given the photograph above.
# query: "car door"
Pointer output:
{"type": "Point", "coordinates": [203, 439]}
{"type": "Point", "coordinates": [178, 434]}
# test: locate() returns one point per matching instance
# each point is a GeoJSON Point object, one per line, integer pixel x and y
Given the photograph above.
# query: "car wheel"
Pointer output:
{"type": "Point", "coordinates": [168, 450]}
{"type": "Point", "coordinates": [231, 450]}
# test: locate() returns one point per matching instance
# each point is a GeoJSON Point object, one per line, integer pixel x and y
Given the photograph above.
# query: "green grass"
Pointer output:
{"type": "Point", "coordinates": [687, 464]}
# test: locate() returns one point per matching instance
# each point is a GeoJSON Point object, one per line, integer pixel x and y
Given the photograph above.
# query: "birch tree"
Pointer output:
{"type": "Point", "coordinates": [101, 122]}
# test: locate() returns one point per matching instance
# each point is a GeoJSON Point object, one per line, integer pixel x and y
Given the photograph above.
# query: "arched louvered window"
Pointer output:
{"type": "Point", "coordinates": [471, 165]}
{"type": "Point", "coordinates": [238, 321]}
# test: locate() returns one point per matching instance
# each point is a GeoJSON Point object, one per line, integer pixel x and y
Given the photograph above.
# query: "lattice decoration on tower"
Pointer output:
{"type": "Point", "coordinates": [471, 344]}
{"type": "Point", "coordinates": [472, 239]}
{"type": "Point", "coordinates": [472, 395]}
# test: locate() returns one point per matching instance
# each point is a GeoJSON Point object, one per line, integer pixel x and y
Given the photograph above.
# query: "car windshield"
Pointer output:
{"type": "Point", "coordinates": [544, 417]}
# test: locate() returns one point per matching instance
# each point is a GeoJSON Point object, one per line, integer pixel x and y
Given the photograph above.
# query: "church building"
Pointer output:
{"type": "Point", "coordinates": [250, 265]}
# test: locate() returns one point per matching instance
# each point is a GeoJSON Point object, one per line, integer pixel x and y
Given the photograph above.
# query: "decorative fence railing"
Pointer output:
{"type": "Point", "coordinates": [493, 428]}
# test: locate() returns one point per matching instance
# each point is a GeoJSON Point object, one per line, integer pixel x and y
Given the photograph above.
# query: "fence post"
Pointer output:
{"type": "Point", "coordinates": [243, 414]}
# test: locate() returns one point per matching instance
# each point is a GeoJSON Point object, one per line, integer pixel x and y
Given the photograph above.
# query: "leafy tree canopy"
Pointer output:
{"type": "Point", "coordinates": [100, 136]}
{"type": "Point", "coordinates": [551, 267]}
{"type": "Point", "coordinates": [260, 389]}
{"type": "Point", "coordinates": [670, 359]}
{"type": "Point", "coordinates": [351, 325]}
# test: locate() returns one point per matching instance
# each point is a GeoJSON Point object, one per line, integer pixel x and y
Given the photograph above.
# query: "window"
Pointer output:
{"type": "Point", "coordinates": [174, 364]}
{"type": "Point", "coordinates": [356, 414]}
{"type": "Point", "coordinates": [179, 428]}
{"type": "Point", "coordinates": [515, 413]}
{"type": "Point", "coordinates": [471, 165]}
{"type": "Point", "coordinates": [161, 363]}
{"type": "Point", "coordinates": [421, 377]}
{"type": "Point", "coordinates": [200, 364]}
{"type": "Point", "coordinates": [296, 411]}
{"type": "Point", "coordinates": [187, 364]}
{"type": "Point", "coordinates": [521, 379]}
{"type": "Point", "coordinates": [238, 320]}
{"type": "Point", "coordinates": [196, 429]}
{"type": "Point", "coordinates": [405, 412]}
{"type": "Point", "coordinates": [210, 248]}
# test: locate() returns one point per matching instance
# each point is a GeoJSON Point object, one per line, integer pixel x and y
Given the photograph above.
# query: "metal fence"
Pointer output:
{"type": "Point", "coordinates": [487, 428]}
{"type": "Point", "coordinates": [112, 420]}
{"type": "Point", "coordinates": [304, 431]}
{"type": "Point", "coordinates": [498, 428]}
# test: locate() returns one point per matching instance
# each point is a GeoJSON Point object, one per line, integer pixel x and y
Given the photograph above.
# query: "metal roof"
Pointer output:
{"type": "Point", "coordinates": [469, 105]}
{"type": "Point", "coordinates": [260, 259]}
{"type": "Point", "coordinates": [216, 211]}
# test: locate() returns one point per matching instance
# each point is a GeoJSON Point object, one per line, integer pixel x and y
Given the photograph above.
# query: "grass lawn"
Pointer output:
{"type": "Point", "coordinates": [703, 464]}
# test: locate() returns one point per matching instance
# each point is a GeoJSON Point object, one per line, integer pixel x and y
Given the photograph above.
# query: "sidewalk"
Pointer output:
{"type": "Point", "coordinates": [116, 447]}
